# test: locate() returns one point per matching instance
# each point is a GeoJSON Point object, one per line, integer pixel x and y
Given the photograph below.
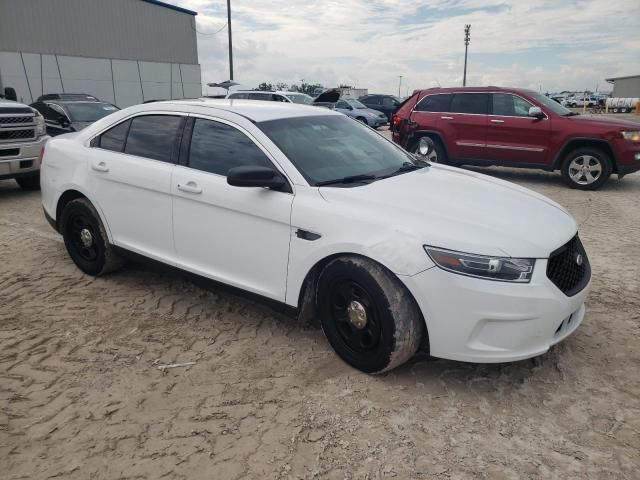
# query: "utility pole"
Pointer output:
{"type": "Point", "coordinates": [230, 42]}
{"type": "Point", "coordinates": [399, 84]}
{"type": "Point", "coordinates": [467, 39]}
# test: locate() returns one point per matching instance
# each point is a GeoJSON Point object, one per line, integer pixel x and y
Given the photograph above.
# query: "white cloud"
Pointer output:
{"type": "Point", "coordinates": [556, 45]}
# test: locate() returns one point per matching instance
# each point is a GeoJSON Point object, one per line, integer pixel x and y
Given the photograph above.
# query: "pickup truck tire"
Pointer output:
{"type": "Point", "coordinates": [368, 316]}
{"type": "Point", "coordinates": [29, 183]}
{"type": "Point", "coordinates": [86, 239]}
{"type": "Point", "coordinates": [586, 168]}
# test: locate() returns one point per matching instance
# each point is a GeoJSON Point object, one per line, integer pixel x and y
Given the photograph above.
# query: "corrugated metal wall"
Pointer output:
{"type": "Point", "coordinates": [118, 29]}
{"type": "Point", "coordinates": [627, 87]}
{"type": "Point", "coordinates": [123, 82]}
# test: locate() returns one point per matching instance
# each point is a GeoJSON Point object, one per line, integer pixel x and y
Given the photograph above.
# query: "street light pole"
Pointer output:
{"type": "Point", "coordinates": [467, 39]}
{"type": "Point", "coordinates": [399, 84]}
{"type": "Point", "coordinates": [230, 42]}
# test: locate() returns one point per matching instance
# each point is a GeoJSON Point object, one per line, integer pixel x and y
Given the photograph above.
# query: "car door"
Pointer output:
{"type": "Point", "coordinates": [389, 106]}
{"type": "Point", "coordinates": [465, 126]}
{"type": "Point", "coordinates": [52, 118]}
{"type": "Point", "coordinates": [236, 235]}
{"type": "Point", "coordinates": [130, 169]}
{"type": "Point", "coordinates": [514, 136]}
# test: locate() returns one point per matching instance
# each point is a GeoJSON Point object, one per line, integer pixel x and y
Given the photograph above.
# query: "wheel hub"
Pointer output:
{"type": "Point", "coordinates": [357, 314]}
{"type": "Point", "coordinates": [86, 238]}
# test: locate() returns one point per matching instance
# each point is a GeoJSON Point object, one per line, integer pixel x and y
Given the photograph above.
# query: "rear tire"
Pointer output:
{"type": "Point", "coordinates": [368, 316]}
{"type": "Point", "coordinates": [439, 153]}
{"type": "Point", "coordinates": [86, 239]}
{"type": "Point", "coordinates": [586, 168]}
{"type": "Point", "coordinates": [29, 183]}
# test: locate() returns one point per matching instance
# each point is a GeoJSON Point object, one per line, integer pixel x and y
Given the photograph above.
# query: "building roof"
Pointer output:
{"type": "Point", "coordinates": [613, 79]}
{"type": "Point", "coordinates": [171, 7]}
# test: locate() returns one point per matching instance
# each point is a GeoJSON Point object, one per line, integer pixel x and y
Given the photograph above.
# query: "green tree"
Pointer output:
{"type": "Point", "coordinates": [264, 86]}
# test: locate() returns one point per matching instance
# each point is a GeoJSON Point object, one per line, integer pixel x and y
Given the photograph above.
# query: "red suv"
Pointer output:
{"type": "Point", "coordinates": [516, 128]}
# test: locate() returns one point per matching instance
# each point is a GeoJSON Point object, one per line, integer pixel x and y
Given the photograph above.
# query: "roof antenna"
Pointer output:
{"type": "Point", "coordinates": [439, 86]}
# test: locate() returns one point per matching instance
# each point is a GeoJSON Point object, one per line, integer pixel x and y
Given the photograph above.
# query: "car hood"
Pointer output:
{"type": "Point", "coordinates": [604, 121]}
{"type": "Point", "coordinates": [77, 126]}
{"type": "Point", "coordinates": [371, 110]}
{"type": "Point", "coordinates": [460, 210]}
{"type": "Point", "coordinates": [330, 96]}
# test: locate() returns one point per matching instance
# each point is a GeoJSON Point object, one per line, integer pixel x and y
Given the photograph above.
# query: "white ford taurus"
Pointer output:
{"type": "Point", "coordinates": [316, 211]}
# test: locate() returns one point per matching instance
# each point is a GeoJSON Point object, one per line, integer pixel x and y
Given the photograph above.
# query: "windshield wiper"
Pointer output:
{"type": "Point", "coordinates": [408, 167]}
{"type": "Point", "coordinates": [349, 179]}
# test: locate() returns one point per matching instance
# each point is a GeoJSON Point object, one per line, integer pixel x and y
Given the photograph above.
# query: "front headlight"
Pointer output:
{"type": "Point", "coordinates": [41, 128]}
{"type": "Point", "coordinates": [503, 269]}
{"type": "Point", "coordinates": [633, 135]}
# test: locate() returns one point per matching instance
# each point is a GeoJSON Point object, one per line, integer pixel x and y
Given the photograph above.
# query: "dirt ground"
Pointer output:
{"type": "Point", "coordinates": [82, 397]}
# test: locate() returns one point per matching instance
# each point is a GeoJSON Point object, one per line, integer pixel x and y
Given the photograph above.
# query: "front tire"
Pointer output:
{"type": "Point", "coordinates": [369, 318]}
{"type": "Point", "coordinates": [586, 168]}
{"type": "Point", "coordinates": [29, 183]}
{"type": "Point", "coordinates": [86, 239]}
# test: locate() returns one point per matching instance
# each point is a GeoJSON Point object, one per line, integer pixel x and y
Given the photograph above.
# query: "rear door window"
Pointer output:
{"type": "Point", "coordinates": [476, 103]}
{"type": "Point", "coordinates": [260, 96]}
{"type": "Point", "coordinates": [153, 136]}
{"type": "Point", "coordinates": [434, 103]}
{"type": "Point", "coordinates": [239, 95]}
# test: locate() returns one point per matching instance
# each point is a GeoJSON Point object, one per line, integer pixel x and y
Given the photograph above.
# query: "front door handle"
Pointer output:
{"type": "Point", "coordinates": [100, 167]}
{"type": "Point", "coordinates": [497, 121]}
{"type": "Point", "coordinates": [189, 187]}
{"type": "Point", "coordinates": [446, 118]}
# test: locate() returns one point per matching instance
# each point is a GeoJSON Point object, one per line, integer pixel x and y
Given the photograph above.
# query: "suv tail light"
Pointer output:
{"type": "Point", "coordinates": [395, 121]}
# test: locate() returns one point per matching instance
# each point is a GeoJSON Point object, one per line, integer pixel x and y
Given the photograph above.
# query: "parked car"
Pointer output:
{"type": "Point", "coordinates": [317, 213]}
{"type": "Point", "coordinates": [518, 128]}
{"type": "Point", "coordinates": [580, 101]}
{"type": "Point", "coordinates": [352, 108]}
{"type": "Point", "coordinates": [22, 137]}
{"type": "Point", "coordinates": [387, 104]}
{"type": "Point", "coordinates": [65, 116]}
{"type": "Point", "coordinates": [287, 97]}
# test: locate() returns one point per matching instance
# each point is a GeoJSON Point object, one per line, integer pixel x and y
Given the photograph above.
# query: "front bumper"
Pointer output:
{"type": "Point", "coordinates": [476, 320]}
{"type": "Point", "coordinates": [21, 159]}
{"type": "Point", "coordinates": [376, 122]}
{"type": "Point", "coordinates": [628, 157]}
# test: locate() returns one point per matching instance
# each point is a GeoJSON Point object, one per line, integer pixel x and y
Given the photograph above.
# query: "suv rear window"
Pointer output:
{"type": "Point", "coordinates": [470, 103]}
{"type": "Point", "coordinates": [438, 102]}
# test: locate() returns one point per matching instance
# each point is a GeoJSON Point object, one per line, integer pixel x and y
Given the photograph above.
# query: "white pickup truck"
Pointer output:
{"type": "Point", "coordinates": [22, 136]}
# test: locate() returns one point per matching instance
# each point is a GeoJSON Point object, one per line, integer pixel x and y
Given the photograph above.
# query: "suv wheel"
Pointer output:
{"type": "Point", "coordinates": [29, 183]}
{"type": "Point", "coordinates": [586, 168]}
{"type": "Point", "coordinates": [437, 153]}
{"type": "Point", "coordinates": [86, 239]}
{"type": "Point", "coordinates": [368, 316]}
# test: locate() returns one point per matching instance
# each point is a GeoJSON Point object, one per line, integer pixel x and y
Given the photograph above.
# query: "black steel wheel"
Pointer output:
{"type": "Point", "coordinates": [368, 316]}
{"type": "Point", "coordinates": [86, 239]}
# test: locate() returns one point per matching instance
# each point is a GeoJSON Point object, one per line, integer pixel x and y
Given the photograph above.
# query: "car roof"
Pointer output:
{"type": "Point", "coordinates": [254, 110]}
{"type": "Point", "coordinates": [267, 92]}
{"type": "Point", "coordinates": [473, 89]}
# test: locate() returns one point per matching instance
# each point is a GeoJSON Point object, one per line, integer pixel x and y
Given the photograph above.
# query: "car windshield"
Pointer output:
{"type": "Point", "coordinates": [550, 104]}
{"type": "Point", "coordinates": [355, 103]}
{"type": "Point", "coordinates": [300, 98]}
{"type": "Point", "coordinates": [90, 111]}
{"type": "Point", "coordinates": [329, 148]}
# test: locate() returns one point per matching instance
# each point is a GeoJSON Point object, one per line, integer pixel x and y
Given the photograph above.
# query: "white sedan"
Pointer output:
{"type": "Point", "coordinates": [316, 211]}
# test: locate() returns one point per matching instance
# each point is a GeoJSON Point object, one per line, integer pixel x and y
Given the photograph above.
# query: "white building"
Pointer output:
{"type": "Point", "coordinates": [121, 51]}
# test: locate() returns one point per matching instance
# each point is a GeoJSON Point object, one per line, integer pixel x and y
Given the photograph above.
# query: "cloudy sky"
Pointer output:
{"type": "Point", "coordinates": [546, 44]}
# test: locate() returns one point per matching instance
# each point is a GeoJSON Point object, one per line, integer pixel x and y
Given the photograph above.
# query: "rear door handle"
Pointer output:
{"type": "Point", "coordinates": [446, 118]}
{"type": "Point", "coordinates": [497, 121]}
{"type": "Point", "coordinates": [190, 187]}
{"type": "Point", "coordinates": [100, 167]}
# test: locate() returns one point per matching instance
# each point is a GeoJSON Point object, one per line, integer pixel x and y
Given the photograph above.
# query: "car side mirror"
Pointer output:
{"type": "Point", "coordinates": [536, 112]}
{"type": "Point", "coordinates": [255, 176]}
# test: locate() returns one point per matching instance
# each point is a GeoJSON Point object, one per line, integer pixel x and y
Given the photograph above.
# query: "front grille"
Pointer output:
{"type": "Point", "coordinates": [26, 134]}
{"type": "Point", "coordinates": [565, 269]}
{"type": "Point", "coordinates": [15, 120]}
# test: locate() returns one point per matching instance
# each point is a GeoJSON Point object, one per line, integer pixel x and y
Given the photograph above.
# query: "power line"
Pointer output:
{"type": "Point", "coordinates": [212, 33]}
